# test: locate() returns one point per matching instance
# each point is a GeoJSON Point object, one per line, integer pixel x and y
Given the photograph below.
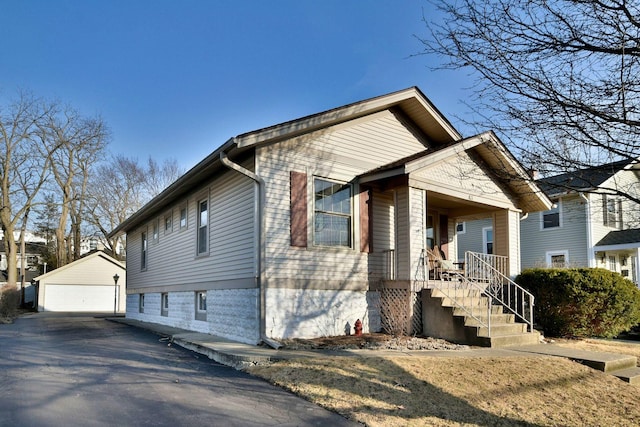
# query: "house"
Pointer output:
{"type": "Point", "coordinates": [589, 225]}
{"type": "Point", "coordinates": [93, 283]}
{"type": "Point", "coordinates": [302, 228]}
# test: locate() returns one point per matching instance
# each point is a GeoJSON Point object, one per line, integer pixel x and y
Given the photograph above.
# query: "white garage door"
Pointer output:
{"type": "Point", "coordinates": [78, 298]}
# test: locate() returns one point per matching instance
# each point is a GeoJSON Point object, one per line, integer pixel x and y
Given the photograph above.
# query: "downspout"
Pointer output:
{"type": "Point", "coordinates": [258, 209]}
{"type": "Point", "coordinates": [591, 256]}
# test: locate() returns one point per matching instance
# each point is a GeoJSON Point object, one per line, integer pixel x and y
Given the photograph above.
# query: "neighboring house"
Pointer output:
{"type": "Point", "coordinates": [85, 285]}
{"type": "Point", "coordinates": [589, 225]}
{"type": "Point", "coordinates": [302, 228]}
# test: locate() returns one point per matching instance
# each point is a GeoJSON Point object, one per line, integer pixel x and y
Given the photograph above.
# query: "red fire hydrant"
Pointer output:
{"type": "Point", "coordinates": [358, 327]}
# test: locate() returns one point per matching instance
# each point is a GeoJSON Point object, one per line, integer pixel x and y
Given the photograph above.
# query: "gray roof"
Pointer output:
{"type": "Point", "coordinates": [620, 237]}
{"type": "Point", "coordinates": [584, 179]}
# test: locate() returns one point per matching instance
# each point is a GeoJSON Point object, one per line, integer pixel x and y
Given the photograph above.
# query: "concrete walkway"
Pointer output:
{"type": "Point", "coordinates": [241, 356]}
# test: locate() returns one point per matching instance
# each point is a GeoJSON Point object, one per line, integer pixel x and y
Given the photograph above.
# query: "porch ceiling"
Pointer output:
{"type": "Point", "coordinates": [457, 207]}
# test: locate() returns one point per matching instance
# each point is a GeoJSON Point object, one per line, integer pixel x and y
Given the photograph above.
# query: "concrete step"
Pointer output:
{"type": "Point", "coordinates": [465, 302]}
{"type": "Point", "coordinates": [455, 293]}
{"type": "Point", "coordinates": [477, 311]}
{"type": "Point", "coordinates": [496, 318]}
{"type": "Point", "coordinates": [630, 375]}
{"type": "Point", "coordinates": [602, 361]}
{"type": "Point", "coordinates": [510, 340]}
{"type": "Point", "coordinates": [502, 329]}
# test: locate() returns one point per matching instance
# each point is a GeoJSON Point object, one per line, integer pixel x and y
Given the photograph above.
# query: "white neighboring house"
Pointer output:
{"type": "Point", "coordinates": [85, 285]}
{"type": "Point", "coordinates": [586, 227]}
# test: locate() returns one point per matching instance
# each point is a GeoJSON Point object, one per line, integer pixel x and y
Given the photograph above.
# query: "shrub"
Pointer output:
{"type": "Point", "coordinates": [9, 302]}
{"type": "Point", "coordinates": [582, 302]}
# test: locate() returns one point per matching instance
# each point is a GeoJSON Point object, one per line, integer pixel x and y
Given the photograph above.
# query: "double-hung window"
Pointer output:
{"type": "Point", "coordinates": [183, 217]}
{"type": "Point", "coordinates": [203, 222]}
{"type": "Point", "coordinates": [144, 250]}
{"type": "Point", "coordinates": [332, 213]}
{"type": "Point", "coordinates": [612, 211]}
{"type": "Point", "coordinates": [551, 218]}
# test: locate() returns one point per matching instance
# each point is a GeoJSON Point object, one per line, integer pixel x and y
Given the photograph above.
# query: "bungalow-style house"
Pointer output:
{"type": "Point", "coordinates": [589, 225]}
{"type": "Point", "coordinates": [94, 283]}
{"type": "Point", "coordinates": [302, 228]}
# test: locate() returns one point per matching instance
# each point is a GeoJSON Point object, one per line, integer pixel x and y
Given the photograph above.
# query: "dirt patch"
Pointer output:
{"type": "Point", "coordinates": [371, 342]}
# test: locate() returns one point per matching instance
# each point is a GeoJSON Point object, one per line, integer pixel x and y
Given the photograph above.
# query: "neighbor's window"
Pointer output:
{"type": "Point", "coordinates": [201, 305]}
{"type": "Point", "coordinates": [551, 218]}
{"type": "Point", "coordinates": [487, 240]}
{"type": "Point", "coordinates": [141, 304]}
{"type": "Point", "coordinates": [156, 231]}
{"type": "Point", "coordinates": [164, 304]}
{"type": "Point", "coordinates": [332, 213]}
{"type": "Point", "coordinates": [143, 254]}
{"type": "Point", "coordinates": [558, 259]}
{"type": "Point", "coordinates": [612, 211]}
{"type": "Point", "coordinates": [183, 217]}
{"type": "Point", "coordinates": [203, 221]}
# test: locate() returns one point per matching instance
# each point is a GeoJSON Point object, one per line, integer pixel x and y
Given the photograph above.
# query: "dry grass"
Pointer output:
{"type": "Point", "coordinates": [460, 391]}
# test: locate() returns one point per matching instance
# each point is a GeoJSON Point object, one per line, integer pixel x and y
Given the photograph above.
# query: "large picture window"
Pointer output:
{"type": "Point", "coordinates": [203, 221]}
{"type": "Point", "coordinates": [332, 213]}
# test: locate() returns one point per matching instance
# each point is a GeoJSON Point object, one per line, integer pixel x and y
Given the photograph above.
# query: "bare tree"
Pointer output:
{"type": "Point", "coordinates": [25, 157]}
{"type": "Point", "coordinates": [160, 176]}
{"type": "Point", "coordinates": [557, 80]}
{"type": "Point", "coordinates": [81, 140]}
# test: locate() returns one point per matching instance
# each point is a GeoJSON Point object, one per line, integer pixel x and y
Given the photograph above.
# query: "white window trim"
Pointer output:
{"type": "Point", "coordinates": [550, 254]}
{"type": "Point", "coordinates": [200, 314]}
{"type": "Point", "coordinates": [199, 225]}
{"type": "Point", "coordinates": [352, 214]}
{"type": "Point", "coordinates": [464, 227]}
{"type": "Point", "coordinates": [169, 216]}
{"type": "Point", "coordinates": [184, 207]}
{"type": "Point", "coordinates": [485, 241]}
{"type": "Point", "coordinates": [559, 206]}
{"type": "Point", "coordinates": [144, 250]}
{"type": "Point", "coordinates": [164, 310]}
{"type": "Point", "coordinates": [155, 233]}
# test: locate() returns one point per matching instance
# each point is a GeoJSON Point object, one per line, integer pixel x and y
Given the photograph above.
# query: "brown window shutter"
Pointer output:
{"type": "Point", "coordinates": [366, 208]}
{"type": "Point", "coordinates": [298, 209]}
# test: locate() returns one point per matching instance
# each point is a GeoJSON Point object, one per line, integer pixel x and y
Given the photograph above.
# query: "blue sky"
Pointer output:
{"type": "Point", "coordinates": [176, 79]}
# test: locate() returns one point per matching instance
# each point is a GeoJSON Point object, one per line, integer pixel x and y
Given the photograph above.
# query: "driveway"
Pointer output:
{"type": "Point", "coordinates": [84, 370]}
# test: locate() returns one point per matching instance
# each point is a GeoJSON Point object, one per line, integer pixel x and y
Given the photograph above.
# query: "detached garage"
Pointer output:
{"type": "Point", "coordinates": [85, 285]}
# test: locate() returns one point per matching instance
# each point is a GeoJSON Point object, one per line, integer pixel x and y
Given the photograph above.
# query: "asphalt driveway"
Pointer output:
{"type": "Point", "coordinates": [87, 371]}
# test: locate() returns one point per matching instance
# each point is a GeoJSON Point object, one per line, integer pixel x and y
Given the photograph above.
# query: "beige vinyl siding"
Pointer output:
{"type": "Point", "coordinates": [571, 236]}
{"type": "Point", "coordinates": [383, 231]}
{"type": "Point", "coordinates": [460, 175]}
{"type": "Point", "coordinates": [339, 153]}
{"type": "Point", "coordinates": [403, 249]}
{"type": "Point", "coordinates": [417, 200]}
{"type": "Point", "coordinates": [231, 257]}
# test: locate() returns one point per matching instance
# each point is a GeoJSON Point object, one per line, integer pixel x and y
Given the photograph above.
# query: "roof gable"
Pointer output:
{"type": "Point", "coordinates": [98, 254]}
{"type": "Point", "coordinates": [410, 102]}
{"type": "Point", "coordinates": [584, 179]}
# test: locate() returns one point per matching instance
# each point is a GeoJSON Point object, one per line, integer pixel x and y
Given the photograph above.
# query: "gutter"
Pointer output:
{"type": "Point", "coordinates": [591, 256]}
{"type": "Point", "coordinates": [259, 235]}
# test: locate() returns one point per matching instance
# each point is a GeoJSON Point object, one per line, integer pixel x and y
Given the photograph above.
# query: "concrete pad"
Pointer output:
{"type": "Point", "coordinates": [605, 362]}
{"type": "Point", "coordinates": [630, 375]}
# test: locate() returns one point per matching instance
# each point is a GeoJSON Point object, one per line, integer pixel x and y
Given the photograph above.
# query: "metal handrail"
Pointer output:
{"type": "Point", "coordinates": [489, 270]}
{"type": "Point", "coordinates": [456, 286]}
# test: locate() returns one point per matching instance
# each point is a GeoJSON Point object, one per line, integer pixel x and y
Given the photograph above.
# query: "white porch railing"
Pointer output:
{"type": "Point", "coordinates": [490, 271]}
{"type": "Point", "coordinates": [486, 274]}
